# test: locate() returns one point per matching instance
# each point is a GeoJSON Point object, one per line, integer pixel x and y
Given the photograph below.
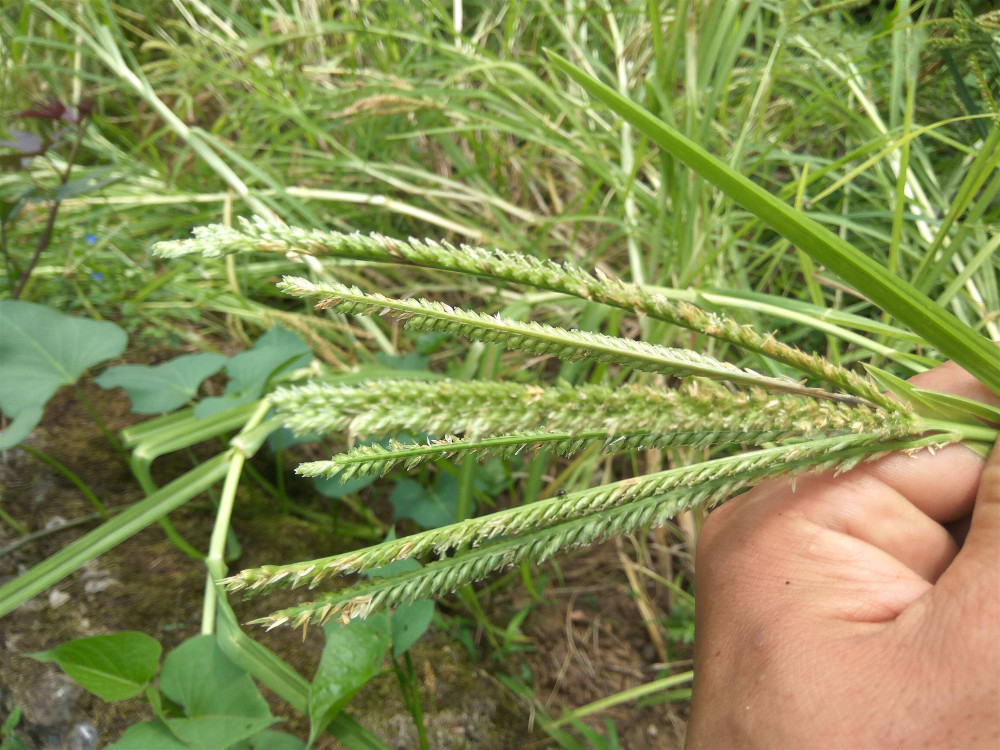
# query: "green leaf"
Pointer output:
{"type": "Point", "coordinates": [965, 406]}
{"type": "Point", "coordinates": [929, 403]}
{"type": "Point", "coordinates": [162, 388]}
{"type": "Point", "coordinates": [272, 740]}
{"type": "Point", "coordinates": [283, 439]}
{"type": "Point", "coordinates": [352, 656]}
{"type": "Point", "coordinates": [892, 294]}
{"type": "Point", "coordinates": [113, 667]}
{"type": "Point", "coordinates": [146, 735]}
{"type": "Point", "coordinates": [274, 353]}
{"type": "Point", "coordinates": [21, 426]}
{"type": "Point", "coordinates": [333, 487]}
{"type": "Point", "coordinates": [430, 507]}
{"type": "Point", "coordinates": [221, 703]}
{"type": "Point", "coordinates": [121, 527]}
{"type": "Point", "coordinates": [491, 477]}
{"type": "Point", "coordinates": [413, 361]}
{"type": "Point", "coordinates": [270, 670]}
{"type": "Point", "coordinates": [898, 387]}
{"type": "Point", "coordinates": [40, 351]}
{"type": "Point", "coordinates": [945, 411]}
{"type": "Point", "coordinates": [93, 180]}
{"type": "Point", "coordinates": [209, 407]}
{"type": "Point", "coordinates": [409, 621]}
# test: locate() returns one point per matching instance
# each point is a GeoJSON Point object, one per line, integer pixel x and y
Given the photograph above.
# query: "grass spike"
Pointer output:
{"type": "Point", "coordinates": [539, 338]}
{"type": "Point", "coordinates": [730, 473]}
{"type": "Point", "coordinates": [262, 235]}
{"type": "Point", "coordinates": [480, 408]}
{"type": "Point", "coordinates": [448, 574]}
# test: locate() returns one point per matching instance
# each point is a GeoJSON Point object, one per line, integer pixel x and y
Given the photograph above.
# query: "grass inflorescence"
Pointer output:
{"type": "Point", "coordinates": [804, 428]}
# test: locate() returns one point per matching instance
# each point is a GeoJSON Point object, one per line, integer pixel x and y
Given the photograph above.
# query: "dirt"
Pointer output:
{"type": "Point", "coordinates": [589, 642]}
{"type": "Point", "coordinates": [583, 640]}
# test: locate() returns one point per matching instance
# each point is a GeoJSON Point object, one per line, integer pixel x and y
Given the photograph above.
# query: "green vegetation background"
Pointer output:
{"type": "Point", "coordinates": [428, 120]}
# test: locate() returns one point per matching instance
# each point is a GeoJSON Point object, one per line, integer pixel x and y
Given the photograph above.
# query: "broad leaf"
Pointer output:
{"type": "Point", "coordinates": [275, 352]}
{"type": "Point", "coordinates": [271, 671]}
{"type": "Point", "coordinates": [21, 426]}
{"type": "Point", "coordinates": [271, 740]}
{"type": "Point", "coordinates": [409, 621]}
{"type": "Point", "coordinates": [113, 667]}
{"type": "Point", "coordinates": [147, 735]}
{"type": "Point", "coordinates": [161, 388]}
{"type": "Point", "coordinates": [412, 361]}
{"type": "Point", "coordinates": [283, 438]}
{"type": "Point", "coordinates": [333, 487]}
{"type": "Point", "coordinates": [40, 351]}
{"type": "Point", "coordinates": [430, 507]}
{"type": "Point", "coordinates": [221, 702]}
{"type": "Point", "coordinates": [353, 655]}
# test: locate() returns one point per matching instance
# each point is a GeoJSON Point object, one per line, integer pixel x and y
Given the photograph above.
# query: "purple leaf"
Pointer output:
{"type": "Point", "coordinates": [28, 144]}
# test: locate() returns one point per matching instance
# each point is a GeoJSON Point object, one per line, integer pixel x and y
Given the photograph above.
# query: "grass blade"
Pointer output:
{"type": "Point", "coordinates": [111, 533]}
{"type": "Point", "coordinates": [891, 293]}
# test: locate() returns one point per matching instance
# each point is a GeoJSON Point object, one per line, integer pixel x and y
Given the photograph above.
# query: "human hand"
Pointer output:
{"type": "Point", "coordinates": [844, 614]}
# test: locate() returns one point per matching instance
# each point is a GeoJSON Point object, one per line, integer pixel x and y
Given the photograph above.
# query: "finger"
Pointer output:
{"type": "Point", "coordinates": [956, 627]}
{"type": "Point", "coordinates": [941, 483]}
{"type": "Point", "coordinates": [984, 534]}
{"type": "Point", "coordinates": [851, 547]}
{"type": "Point", "coordinates": [862, 506]}
{"type": "Point", "coordinates": [895, 505]}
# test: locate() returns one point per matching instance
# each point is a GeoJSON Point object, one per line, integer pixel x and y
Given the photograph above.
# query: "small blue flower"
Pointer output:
{"type": "Point", "coordinates": [90, 239]}
{"type": "Point", "coordinates": [97, 276]}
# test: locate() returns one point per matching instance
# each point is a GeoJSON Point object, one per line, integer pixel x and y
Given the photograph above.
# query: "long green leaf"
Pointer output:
{"type": "Point", "coordinates": [107, 535]}
{"type": "Point", "coordinates": [891, 293]}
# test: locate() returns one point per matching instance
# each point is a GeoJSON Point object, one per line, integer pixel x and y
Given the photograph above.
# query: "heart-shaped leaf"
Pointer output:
{"type": "Point", "coordinates": [271, 740]}
{"type": "Point", "coordinates": [409, 621]}
{"type": "Point", "coordinates": [221, 703]}
{"type": "Point", "coordinates": [275, 352]}
{"type": "Point", "coordinates": [430, 507]}
{"type": "Point", "coordinates": [353, 655]}
{"type": "Point", "coordinates": [162, 388]}
{"type": "Point", "coordinates": [40, 351]}
{"type": "Point", "coordinates": [113, 667]}
{"type": "Point", "coordinates": [148, 734]}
